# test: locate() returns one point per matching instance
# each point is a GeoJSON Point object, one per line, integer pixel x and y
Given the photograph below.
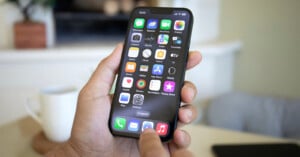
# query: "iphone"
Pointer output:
{"type": "Point", "coordinates": [151, 73]}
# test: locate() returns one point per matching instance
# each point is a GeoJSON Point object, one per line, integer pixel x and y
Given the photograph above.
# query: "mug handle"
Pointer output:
{"type": "Point", "coordinates": [30, 111]}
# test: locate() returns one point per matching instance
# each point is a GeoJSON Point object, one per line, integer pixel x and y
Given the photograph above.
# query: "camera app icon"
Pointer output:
{"type": "Point", "coordinates": [136, 37]}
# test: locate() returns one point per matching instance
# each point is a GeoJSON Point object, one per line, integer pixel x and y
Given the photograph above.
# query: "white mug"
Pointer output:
{"type": "Point", "coordinates": [57, 111]}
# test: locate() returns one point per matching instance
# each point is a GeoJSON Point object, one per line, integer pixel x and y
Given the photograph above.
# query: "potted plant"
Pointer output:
{"type": "Point", "coordinates": [29, 33]}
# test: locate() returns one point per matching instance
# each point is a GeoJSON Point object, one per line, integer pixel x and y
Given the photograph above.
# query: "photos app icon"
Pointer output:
{"type": "Point", "coordinates": [179, 25]}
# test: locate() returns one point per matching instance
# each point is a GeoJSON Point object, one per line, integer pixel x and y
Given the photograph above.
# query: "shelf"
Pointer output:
{"type": "Point", "coordinates": [93, 51]}
{"type": "Point", "coordinates": [87, 16]}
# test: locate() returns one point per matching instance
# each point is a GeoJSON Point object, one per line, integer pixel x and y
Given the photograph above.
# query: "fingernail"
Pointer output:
{"type": "Point", "coordinates": [191, 92]}
{"type": "Point", "coordinates": [148, 130]}
{"type": "Point", "coordinates": [188, 114]}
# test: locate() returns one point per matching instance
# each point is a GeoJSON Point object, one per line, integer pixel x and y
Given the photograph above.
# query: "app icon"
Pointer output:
{"type": "Point", "coordinates": [155, 85]}
{"type": "Point", "coordinates": [149, 38]}
{"type": "Point", "coordinates": [144, 68]}
{"type": "Point", "coordinates": [120, 123]}
{"type": "Point", "coordinates": [162, 129]}
{"type": "Point", "coordinates": [130, 67]}
{"type": "Point", "coordinates": [127, 82]}
{"type": "Point", "coordinates": [165, 24]}
{"type": "Point", "coordinates": [124, 98]}
{"type": "Point", "coordinates": [139, 23]}
{"type": "Point", "coordinates": [152, 23]}
{"type": "Point", "coordinates": [163, 39]}
{"type": "Point", "coordinates": [174, 55]}
{"type": "Point", "coordinates": [179, 25]}
{"type": "Point", "coordinates": [138, 99]}
{"type": "Point", "coordinates": [172, 70]}
{"type": "Point", "coordinates": [157, 69]}
{"type": "Point", "coordinates": [169, 86]}
{"type": "Point", "coordinates": [136, 37]}
{"type": "Point", "coordinates": [147, 53]}
{"type": "Point", "coordinates": [160, 54]}
{"type": "Point", "coordinates": [141, 84]}
{"type": "Point", "coordinates": [147, 125]}
{"type": "Point", "coordinates": [133, 52]}
{"type": "Point", "coordinates": [133, 125]}
{"type": "Point", "coordinates": [176, 40]}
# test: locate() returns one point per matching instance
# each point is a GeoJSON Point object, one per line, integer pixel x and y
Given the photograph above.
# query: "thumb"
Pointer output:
{"type": "Point", "coordinates": [150, 145]}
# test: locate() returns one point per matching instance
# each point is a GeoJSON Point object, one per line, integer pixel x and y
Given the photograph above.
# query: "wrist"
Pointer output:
{"type": "Point", "coordinates": [65, 150]}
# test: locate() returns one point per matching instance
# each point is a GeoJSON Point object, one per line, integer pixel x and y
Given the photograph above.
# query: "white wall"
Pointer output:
{"type": "Point", "coordinates": [270, 30]}
{"type": "Point", "coordinates": [9, 14]}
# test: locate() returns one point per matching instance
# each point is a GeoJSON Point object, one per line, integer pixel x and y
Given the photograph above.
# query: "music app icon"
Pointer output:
{"type": "Point", "coordinates": [162, 129]}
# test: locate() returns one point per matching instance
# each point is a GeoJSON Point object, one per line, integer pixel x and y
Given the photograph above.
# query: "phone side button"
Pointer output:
{"type": "Point", "coordinates": [143, 114]}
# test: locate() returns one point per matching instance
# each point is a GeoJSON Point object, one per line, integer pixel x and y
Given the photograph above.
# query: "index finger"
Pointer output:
{"type": "Point", "coordinates": [150, 145]}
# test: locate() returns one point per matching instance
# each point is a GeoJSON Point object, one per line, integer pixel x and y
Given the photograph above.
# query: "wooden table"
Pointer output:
{"type": "Point", "coordinates": [15, 138]}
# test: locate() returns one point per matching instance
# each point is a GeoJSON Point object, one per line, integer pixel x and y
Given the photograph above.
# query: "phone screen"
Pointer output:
{"type": "Point", "coordinates": [151, 74]}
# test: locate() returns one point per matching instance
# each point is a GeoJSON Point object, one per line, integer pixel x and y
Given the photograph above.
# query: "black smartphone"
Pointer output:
{"type": "Point", "coordinates": [151, 74]}
{"type": "Point", "coordinates": [257, 150]}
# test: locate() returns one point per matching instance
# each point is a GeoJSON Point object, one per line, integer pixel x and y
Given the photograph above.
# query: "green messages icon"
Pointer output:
{"type": "Point", "coordinates": [165, 24]}
{"type": "Point", "coordinates": [120, 123]}
{"type": "Point", "coordinates": [139, 23]}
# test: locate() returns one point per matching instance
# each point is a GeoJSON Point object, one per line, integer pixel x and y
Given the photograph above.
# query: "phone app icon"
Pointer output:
{"type": "Point", "coordinates": [147, 125]}
{"type": "Point", "coordinates": [169, 86]}
{"type": "Point", "coordinates": [124, 98]}
{"type": "Point", "coordinates": [141, 84]}
{"type": "Point", "coordinates": [157, 69]}
{"type": "Point", "coordinates": [163, 39]}
{"type": "Point", "coordinates": [160, 54]}
{"type": "Point", "coordinates": [155, 85]}
{"type": "Point", "coordinates": [138, 99]}
{"type": "Point", "coordinates": [165, 24]}
{"type": "Point", "coordinates": [133, 52]}
{"type": "Point", "coordinates": [120, 123]}
{"type": "Point", "coordinates": [179, 25]}
{"type": "Point", "coordinates": [133, 125]}
{"type": "Point", "coordinates": [147, 53]}
{"type": "Point", "coordinates": [152, 24]}
{"type": "Point", "coordinates": [139, 23]}
{"type": "Point", "coordinates": [130, 67]}
{"type": "Point", "coordinates": [176, 40]}
{"type": "Point", "coordinates": [127, 82]}
{"type": "Point", "coordinates": [162, 129]}
{"type": "Point", "coordinates": [144, 68]}
{"type": "Point", "coordinates": [136, 37]}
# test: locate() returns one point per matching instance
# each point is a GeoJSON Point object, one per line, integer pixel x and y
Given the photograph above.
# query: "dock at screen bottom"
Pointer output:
{"type": "Point", "coordinates": [134, 125]}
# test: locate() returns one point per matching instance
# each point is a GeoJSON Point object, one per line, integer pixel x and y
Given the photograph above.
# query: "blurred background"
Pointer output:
{"type": "Point", "coordinates": [248, 81]}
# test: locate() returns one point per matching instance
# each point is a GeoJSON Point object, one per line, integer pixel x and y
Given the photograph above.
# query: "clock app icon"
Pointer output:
{"type": "Point", "coordinates": [147, 53]}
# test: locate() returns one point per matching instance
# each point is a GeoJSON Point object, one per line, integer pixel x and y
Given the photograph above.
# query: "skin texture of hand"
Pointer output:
{"type": "Point", "coordinates": [150, 146]}
{"type": "Point", "coordinates": [90, 134]}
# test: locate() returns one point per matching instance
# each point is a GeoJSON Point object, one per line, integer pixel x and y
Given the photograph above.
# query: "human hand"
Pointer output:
{"type": "Point", "coordinates": [150, 145]}
{"type": "Point", "coordinates": [90, 133]}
